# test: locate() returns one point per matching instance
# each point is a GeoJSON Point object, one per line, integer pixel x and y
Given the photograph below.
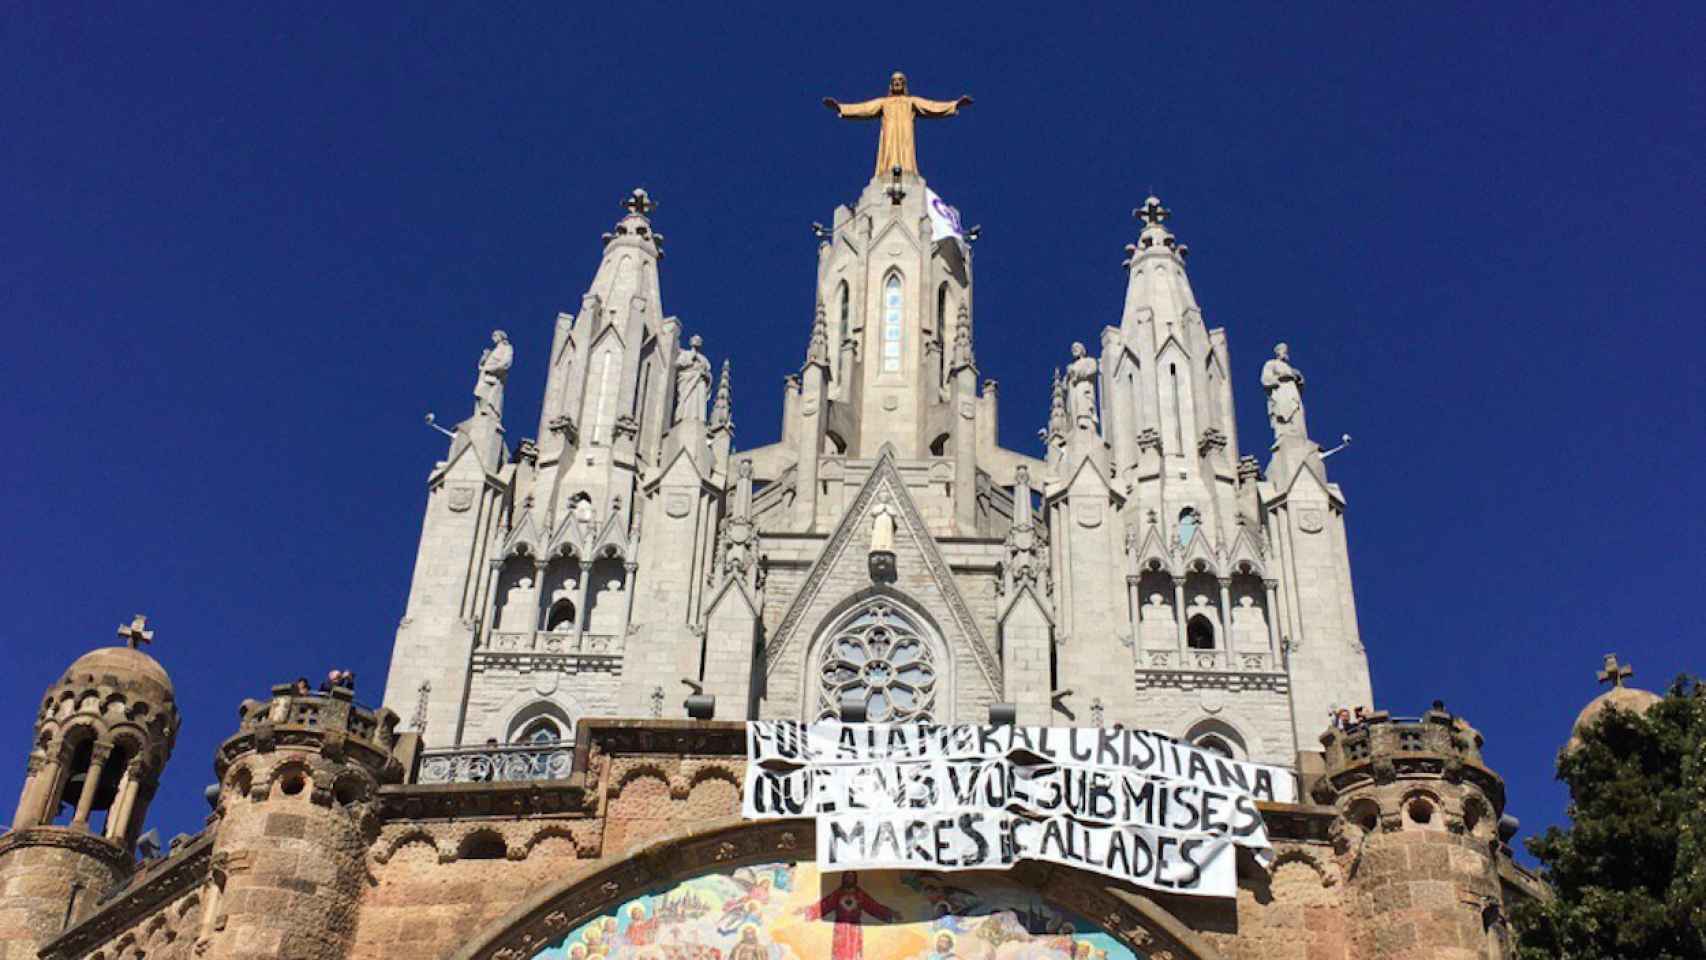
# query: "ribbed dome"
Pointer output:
{"type": "Point", "coordinates": [122, 663]}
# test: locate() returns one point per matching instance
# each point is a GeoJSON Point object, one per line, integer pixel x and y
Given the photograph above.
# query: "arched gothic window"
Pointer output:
{"type": "Point", "coordinates": [561, 616]}
{"type": "Point", "coordinates": [1215, 744]}
{"type": "Point", "coordinates": [542, 730]}
{"type": "Point", "coordinates": [841, 326]}
{"type": "Point", "coordinates": [893, 300]}
{"type": "Point", "coordinates": [1189, 521]}
{"type": "Point", "coordinates": [942, 333]}
{"type": "Point", "coordinates": [878, 654]}
{"type": "Point", "coordinates": [1199, 633]}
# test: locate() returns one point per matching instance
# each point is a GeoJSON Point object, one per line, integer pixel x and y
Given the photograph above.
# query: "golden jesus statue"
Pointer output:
{"type": "Point", "coordinates": [894, 147]}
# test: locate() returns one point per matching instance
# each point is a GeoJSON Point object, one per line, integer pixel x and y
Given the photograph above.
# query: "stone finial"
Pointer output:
{"type": "Point", "coordinates": [962, 356]}
{"type": "Point", "coordinates": [1152, 212]}
{"type": "Point", "coordinates": [639, 203]}
{"type": "Point", "coordinates": [1057, 421]}
{"type": "Point", "coordinates": [136, 632]}
{"type": "Point", "coordinates": [1613, 673]}
{"type": "Point", "coordinates": [721, 407]}
{"type": "Point", "coordinates": [819, 350]}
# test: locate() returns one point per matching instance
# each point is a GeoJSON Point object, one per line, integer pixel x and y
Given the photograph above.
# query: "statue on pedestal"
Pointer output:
{"type": "Point", "coordinates": [1081, 376]}
{"type": "Point", "coordinates": [1284, 384]}
{"type": "Point", "coordinates": [493, 371]}
{"type": "Point", "coordinates": [692, 381]}
{"type": "Point", "coordinates": [895, 144]}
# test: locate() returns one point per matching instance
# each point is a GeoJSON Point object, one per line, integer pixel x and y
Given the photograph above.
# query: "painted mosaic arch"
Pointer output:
{"type": "Point", "coordinates": [735, 893]}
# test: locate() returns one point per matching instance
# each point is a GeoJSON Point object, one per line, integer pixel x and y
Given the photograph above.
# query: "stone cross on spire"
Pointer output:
{"type": "Point", "coordinates": [639, 203]}
{"type": "Point", "coordinates": [136, 632]}
{"type": "Point", "coordinates": [1152, 212]}
{"type": "Point", "coordinates": [1615, 673]}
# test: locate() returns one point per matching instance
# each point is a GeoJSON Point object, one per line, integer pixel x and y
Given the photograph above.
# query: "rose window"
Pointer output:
{"type": "Point", "coordinates": [878, 656]}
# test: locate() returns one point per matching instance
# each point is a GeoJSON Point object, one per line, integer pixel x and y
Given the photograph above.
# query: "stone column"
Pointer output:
{"type": "Point", "coordinates": [40, 782]}
{"type": "Point", "coordinates": [124, 802]}
{"type": "Point", "coordinates": [489, 620]}
{"type": "Point", "coordinates": [1225, 633]}
{"type": "Point", "coordinates": [581, 616]}
{"type": "Point", "coordinates": [97, 759]}
{"type": "Point", "coordinates": [539, 603]}
{"type": "Point", "coordinates": [1179, 615]}
{"type": "Point", "coordinates": [628, 569]}
{"type": "Point", "coordinates": [1271, 615]}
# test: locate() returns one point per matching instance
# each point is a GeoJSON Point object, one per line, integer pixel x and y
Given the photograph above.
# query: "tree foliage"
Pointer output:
{"type": "Point", "coordinates": [1629, 873]}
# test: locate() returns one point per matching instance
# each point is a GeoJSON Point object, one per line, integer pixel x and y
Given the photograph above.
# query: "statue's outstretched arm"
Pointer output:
{"type": "Point", "coordinates": [939, 108]}
{"type": "Point", "coordinates": [867, 108]}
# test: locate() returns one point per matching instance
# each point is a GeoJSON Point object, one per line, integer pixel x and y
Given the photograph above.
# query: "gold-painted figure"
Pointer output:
{"type": "Point", "coordinates": [895, 145]}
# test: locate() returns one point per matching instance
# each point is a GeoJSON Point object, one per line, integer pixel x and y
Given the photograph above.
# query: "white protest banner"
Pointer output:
{"type": "Point", "coordinates": [1132, 804]}
{"type": "Point", "coordinates": [980, 840]}
{"type": "Point", "coordinates": [1144, 752]}
{"type": "Point", "coordinates": [1114, 796]}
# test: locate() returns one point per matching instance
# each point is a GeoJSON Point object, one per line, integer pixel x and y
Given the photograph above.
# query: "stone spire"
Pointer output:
{"type": "Point", "coordinates": [1157, 290]}
{"type": "Point", "coordinates": [961, 357]}
{"type": "Point", "coordinates": [721, 406]}
{"type": "Point", "coordinates": [818, 353]}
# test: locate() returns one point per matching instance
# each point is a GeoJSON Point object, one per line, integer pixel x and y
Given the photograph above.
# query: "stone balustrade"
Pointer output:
{"type": "Point", "coordinates": [545, 641]}
{"type": "Point", "coordinates": [494, 763]}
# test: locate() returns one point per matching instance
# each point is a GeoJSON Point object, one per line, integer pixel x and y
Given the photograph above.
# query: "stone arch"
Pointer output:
{"type": "Point", "coordinates": [916, 620]}
{"type": "Point", "coordinates": [542, 714]}
{"type": "Point", "coordinates": [483, 843]}
{"type": "Point", "coordinates": [414, 835]}
{"type": "Point", "coordinates": [1211, 733]}
{"type": "Point", "coordinates": [555, 831]}
{"type": "Point", "coordinates": [1134, 921]}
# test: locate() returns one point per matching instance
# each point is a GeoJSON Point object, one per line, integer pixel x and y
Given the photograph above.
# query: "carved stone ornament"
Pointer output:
{"type": "Point", "coordinates": [460, 496]}
{"type": "Point", "coordinates": [1087, 513]}
{"type": "Point", "coordinates": [1310, 520]}
{"type": "Point", "coordinates": [677, 504]}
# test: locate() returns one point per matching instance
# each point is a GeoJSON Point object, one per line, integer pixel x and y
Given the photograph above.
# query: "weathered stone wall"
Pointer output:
{"type": "Point", "coordinates": [292, 861]}
{"type": "Point", "coordinates": [51, 878]}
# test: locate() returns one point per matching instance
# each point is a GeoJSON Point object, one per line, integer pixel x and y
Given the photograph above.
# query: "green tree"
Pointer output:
{"type": "Point", "coordinates": [1629, 873]}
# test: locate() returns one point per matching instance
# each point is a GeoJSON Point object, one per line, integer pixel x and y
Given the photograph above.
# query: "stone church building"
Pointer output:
{"type": "Point", "coordinates": [556, 768]}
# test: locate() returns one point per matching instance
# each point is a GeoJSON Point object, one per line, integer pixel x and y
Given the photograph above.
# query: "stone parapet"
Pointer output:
{"type": "Point", "coordinates": [331, 724]}
{"type": "Point", "coordinates": [1384, 749]}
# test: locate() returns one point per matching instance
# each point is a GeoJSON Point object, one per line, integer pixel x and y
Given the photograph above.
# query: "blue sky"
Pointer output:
{"type": "Point", "coordinates": [244, 250]}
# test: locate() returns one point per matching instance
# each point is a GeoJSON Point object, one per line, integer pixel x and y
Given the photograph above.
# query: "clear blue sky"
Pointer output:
{"type": "Point", "coordinates": [243, 251]}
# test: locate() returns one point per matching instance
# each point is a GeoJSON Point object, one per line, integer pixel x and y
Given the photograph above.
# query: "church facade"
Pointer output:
{"type": "Point", "coordinates": [555, 770]}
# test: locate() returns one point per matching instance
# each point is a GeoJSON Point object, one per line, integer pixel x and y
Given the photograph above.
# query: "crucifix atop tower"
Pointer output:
{"type": "Point", "coordinates": [136, 632]}
{"type": "Point", "coordinates": [895, 143]}
{"type": "Point", "coordinates": [1615, 673]}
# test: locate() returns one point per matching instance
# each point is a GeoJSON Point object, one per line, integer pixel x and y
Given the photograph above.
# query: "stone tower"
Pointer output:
{"type": "Point", "coordinates": [1418, 838]}
{"type": "Point", "coordinates": [102, 737]}
{"type": "Point", "coordinates": [292, 825]}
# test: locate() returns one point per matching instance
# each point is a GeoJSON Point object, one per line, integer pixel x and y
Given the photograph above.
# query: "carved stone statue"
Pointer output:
{"type": "Point", "coordinates": [692, 381]}
{"type": "Point", "coordinates": [1081, 379]}
{"type": "Point", "coordinates": [1249, 625]}
{"type": "Point", "coordinates": [1157, 609]}
{"type": "Point", "coordinates": [1284, 384]}
{"type": "Point", "coordinates": [882, 529]}
{"type": "Point", "coordinates": [493, 371]}
{"type": "Point", "coordinates": [520, 608]}
{"type": "Point", "coordinates": [897, 110]}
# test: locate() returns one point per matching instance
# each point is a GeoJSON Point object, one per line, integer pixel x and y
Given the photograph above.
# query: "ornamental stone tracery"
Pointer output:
{"type": "Point", "coordinates": [881, 656]}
